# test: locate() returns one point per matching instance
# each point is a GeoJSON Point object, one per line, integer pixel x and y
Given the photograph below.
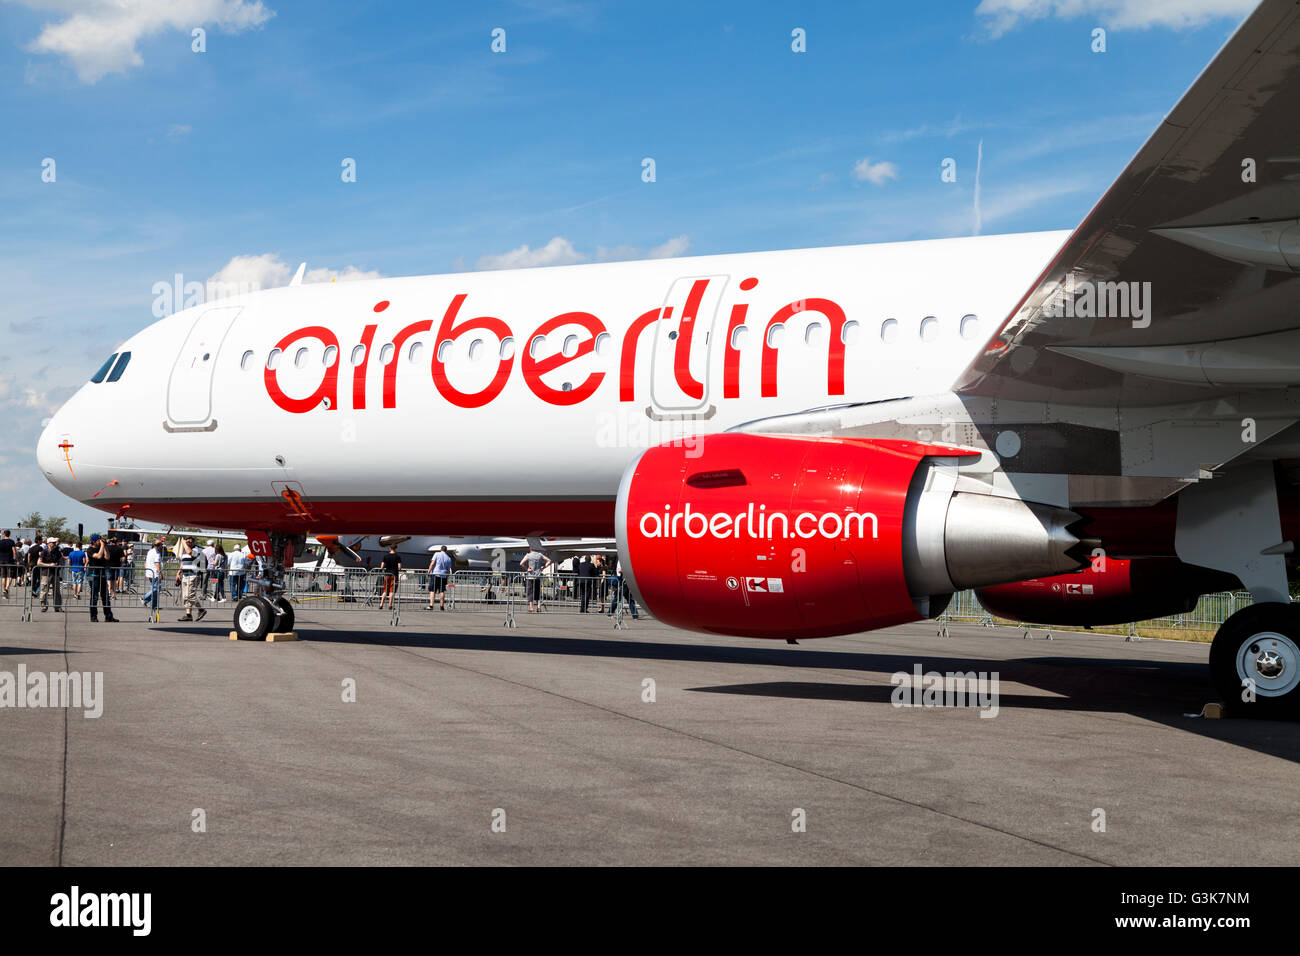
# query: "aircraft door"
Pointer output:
{"type": "Point", "coordinates": [189, 389]}
{"type": "Point", "coordinates": [683, 340]}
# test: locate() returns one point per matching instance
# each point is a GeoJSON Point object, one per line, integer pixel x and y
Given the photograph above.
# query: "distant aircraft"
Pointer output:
{"type": "Point", "coordinates": [477, 553]}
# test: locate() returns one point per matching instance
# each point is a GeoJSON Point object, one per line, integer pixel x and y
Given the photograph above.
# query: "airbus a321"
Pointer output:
{"type": "Point", "coordinates": [1086, 426]}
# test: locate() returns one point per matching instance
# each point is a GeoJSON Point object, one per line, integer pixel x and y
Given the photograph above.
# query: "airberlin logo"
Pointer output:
{"type": "Point", "coordinates": [584, 334]}
{"type": "Point", "coordinates": [759, 523]}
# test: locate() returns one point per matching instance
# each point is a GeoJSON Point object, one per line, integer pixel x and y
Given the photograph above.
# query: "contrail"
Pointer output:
{"type": "Point", "coordinates": [979, 161]}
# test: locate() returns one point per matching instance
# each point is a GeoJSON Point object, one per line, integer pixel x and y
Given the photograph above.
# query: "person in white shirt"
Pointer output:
{"type": "Point", "coordinates": [153, 574]}
{"type": "Point", "coordinates": [534, 563]}
{"type": "Point", "coordinates": [209, 559]}
{"type": "Point", "coordinates": [439, 570]}
{"type": "Point", "coordinates": [187, 577]}
{"type": "Point", "coordinates": [236, 573]}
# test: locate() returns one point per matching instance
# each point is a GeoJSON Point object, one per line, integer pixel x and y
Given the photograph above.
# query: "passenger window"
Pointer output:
{"type": "Point", "coordinates": [602, 343]}
{"type": "Point", "coordinates": [738, 336]}
{"type": "Point", "coordinates": [247, 361]}
{"type": "Point", "coordinates": [273, 360]}
{"type": "Point", "coordinates": [476, 350]}
{"type": "Point", "coordinates": [103, 369]}
{"type": "Point", "coordinates": [300, 360]}
{"type": "Point", "coordinates": [120, 367]}
{"type": "Point", "coordinates": [929, 329]}
{"type": "Point", "coordinates": [386, 354]}
{"type": "Point", "coordinates": [358, 355]}
{"type": "Point", "coordinates": [331, 353]}
{"type": "Point", "coordinates": [849, 333]}
{"type": "Point", "coordinates": [970, 326]}
{"type": "Point", "coordinates": [776, 335]}
{"type": "Point", "coordinates": [813, 334]}
{"type": "Point", "coordinates": [889, 331]}
{"type": "Point", "coordinates": [414, 351]}
{"type": "Point", "coordinates": [507, 349]}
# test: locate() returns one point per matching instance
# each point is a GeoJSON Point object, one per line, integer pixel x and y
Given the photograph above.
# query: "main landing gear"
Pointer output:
{"type": "Point", "coordinates": [1232, 523]}
{"type": "Point", "coordinates": [1255, 661]}
{"type": "Point", "coordinates": [267, 610]}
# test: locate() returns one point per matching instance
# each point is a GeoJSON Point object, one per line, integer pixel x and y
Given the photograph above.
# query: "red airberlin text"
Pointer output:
{"type": "Point", "coordinates": [459, 321]}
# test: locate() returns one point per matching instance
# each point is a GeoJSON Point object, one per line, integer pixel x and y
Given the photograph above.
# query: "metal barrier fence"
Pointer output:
{"type": "Point", "coordinates": [130, 592]}
{"type": "Point", "coordinates": [507, 593]}
{"type": "Point", "coordinates": [1211, 611]}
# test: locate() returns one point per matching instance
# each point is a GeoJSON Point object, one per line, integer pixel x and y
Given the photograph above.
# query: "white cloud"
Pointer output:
{"type": "Point", "coordinates": [98, 37]}
{"type": "Point", "coordinates": [952, 128]}
{"type": "Point", "coordinates": [28, 401]}
{"type": "Point", "coordinates": [875, 173]}
{"type": "Point", "coordinates": [560, 252]}
{"type": "Point", "coordinates": [674, 247]}
{"type": "Point", "coordinates": [269, 271]}
{"type": "Point", "coordinates": [1003, 15]}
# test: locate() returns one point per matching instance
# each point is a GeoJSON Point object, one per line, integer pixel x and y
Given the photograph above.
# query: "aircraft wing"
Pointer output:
{"type": "Point", "coordinates": [1200, 234]}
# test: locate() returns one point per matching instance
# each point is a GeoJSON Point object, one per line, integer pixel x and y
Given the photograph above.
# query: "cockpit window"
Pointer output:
{"type": "Point", "coordinates": [103, 369]}
{"type": "Point", "coordinates": [120, 367]}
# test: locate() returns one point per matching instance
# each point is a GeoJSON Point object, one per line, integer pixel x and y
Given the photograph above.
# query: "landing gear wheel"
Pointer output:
{"type": "Point", "coordinates": [253, 618]}
{"type": "Point", "coordinates": [1255, 661]}
{"type": "Point", "coordinates": [283, 615]}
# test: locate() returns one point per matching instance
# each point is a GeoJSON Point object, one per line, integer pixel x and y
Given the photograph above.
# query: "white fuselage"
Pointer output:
{"type": "Point", "coordinates": [511, 402]}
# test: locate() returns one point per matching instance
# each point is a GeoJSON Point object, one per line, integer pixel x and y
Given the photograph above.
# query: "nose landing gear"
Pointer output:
{"type": "Point", "coordinates": [267, 610]}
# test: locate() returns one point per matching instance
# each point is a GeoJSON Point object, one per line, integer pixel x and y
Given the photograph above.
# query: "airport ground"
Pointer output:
{"type": "Point", "coordinates": [457, 718]}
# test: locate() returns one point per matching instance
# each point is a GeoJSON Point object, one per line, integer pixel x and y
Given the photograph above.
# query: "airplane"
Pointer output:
{"type": "Point", "coordinates": [469, 551]}
{"type": "Point", "coordinates": [800, 443]}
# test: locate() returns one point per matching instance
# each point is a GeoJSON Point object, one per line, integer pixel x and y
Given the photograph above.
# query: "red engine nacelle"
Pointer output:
{"type": "Point", "coordinates": [774, 536]}
{"type": "Point", "coordinates": [1113, 591]}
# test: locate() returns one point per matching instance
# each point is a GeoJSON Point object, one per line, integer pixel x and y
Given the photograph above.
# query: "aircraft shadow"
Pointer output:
{"type": "Point", "coordinates": [23, 651]}
{"type": "Point", "coordinates": [1162, 691]}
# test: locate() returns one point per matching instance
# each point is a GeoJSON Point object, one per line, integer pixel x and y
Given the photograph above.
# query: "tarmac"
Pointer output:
{"type": "Point", "coordinates": [467, 742]}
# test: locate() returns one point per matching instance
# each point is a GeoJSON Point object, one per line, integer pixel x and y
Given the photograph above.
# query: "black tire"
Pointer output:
{"type": "Point", "coordinates": [1260, 643]}
{"type": "Point", "coordinates": [254, 618]}
{"type": "Point", "coordinates": [283, 615]}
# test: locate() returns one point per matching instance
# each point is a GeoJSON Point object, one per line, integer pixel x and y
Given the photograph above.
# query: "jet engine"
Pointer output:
{"type": "Point", "coordinates": [1113, 591]}
{"type": "Point", "coordinates": [776, 536]}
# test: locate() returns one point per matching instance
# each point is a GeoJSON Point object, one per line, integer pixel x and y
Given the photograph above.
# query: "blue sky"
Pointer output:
{"type": "Point", "coordinates": [171, 161]}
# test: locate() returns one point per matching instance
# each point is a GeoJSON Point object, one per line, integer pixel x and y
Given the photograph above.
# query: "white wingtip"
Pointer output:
{"type": "Point", "coordinates": [297, 276]}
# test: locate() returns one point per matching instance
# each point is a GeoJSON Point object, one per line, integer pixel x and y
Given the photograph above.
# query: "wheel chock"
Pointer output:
{"type": "Point", "coordinates": [1212, 711]}
{"type": "Point", "coordinates": [275, 637]}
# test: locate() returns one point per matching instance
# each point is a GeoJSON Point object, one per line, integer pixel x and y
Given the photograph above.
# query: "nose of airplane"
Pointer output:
{"type": "Point", "coordinates": [54, 454]}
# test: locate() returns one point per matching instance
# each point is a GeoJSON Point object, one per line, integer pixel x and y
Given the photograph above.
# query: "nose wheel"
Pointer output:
{"type": "Point", "coordinates": [269, 611]}
{"type": "Point", "coordinates": [1255, 661]}
{"type": "Point", "coordinates": [254, 617]}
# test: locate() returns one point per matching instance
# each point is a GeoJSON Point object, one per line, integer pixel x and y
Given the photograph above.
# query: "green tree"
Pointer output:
{"type": "Point", "coordinates": [51, 527]}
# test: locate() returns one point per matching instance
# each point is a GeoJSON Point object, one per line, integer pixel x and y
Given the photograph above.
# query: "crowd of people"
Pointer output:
{"type": "Point", "coordinates": [595, 580]}
{"type": "Point", "coordinates": [106, 568]}
{"type": "Point", "coordinates": [107, 565]}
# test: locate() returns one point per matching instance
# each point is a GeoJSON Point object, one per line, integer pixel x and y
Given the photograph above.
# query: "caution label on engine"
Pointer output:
{"type": "Point", "coordinates": [765, 585]}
